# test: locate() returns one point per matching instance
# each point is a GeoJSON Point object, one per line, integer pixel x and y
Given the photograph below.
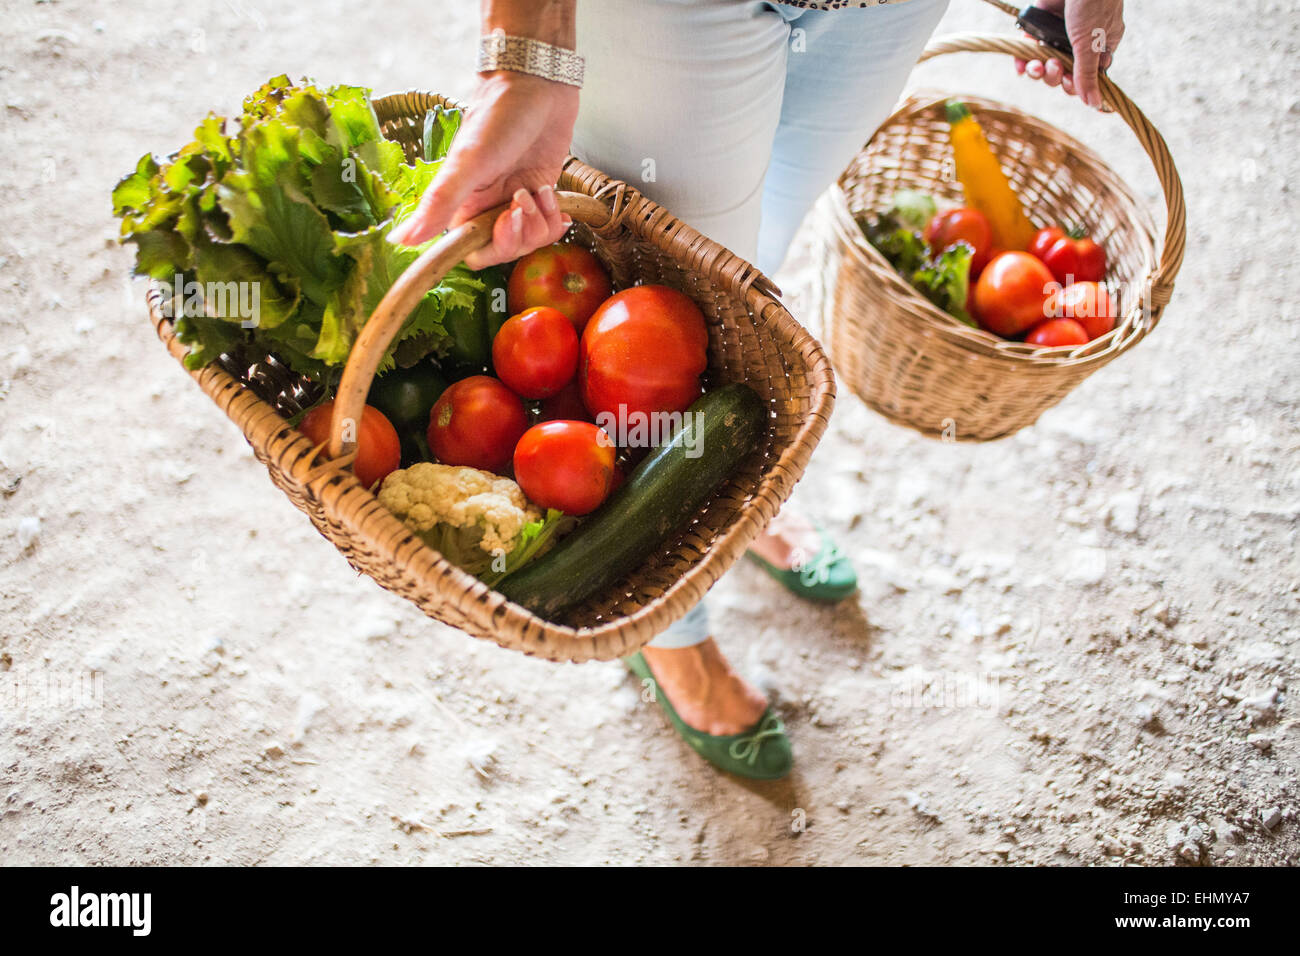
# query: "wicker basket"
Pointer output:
{"type": "Point", "coordinates": [752, 338]}
{"type": "Point", "coordinates": [920, 367]}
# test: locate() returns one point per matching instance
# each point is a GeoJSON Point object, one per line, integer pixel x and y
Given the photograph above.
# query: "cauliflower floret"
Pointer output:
{"type": "Point", "coordinates": [459, 510]}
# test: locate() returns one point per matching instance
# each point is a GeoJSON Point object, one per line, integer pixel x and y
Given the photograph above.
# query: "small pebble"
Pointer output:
{"type": "Point", "coordinates": [29, 529]}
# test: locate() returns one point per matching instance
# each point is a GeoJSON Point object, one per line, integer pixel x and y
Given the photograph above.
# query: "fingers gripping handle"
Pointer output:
{"type": "Point", "coordinates": [405, 294]}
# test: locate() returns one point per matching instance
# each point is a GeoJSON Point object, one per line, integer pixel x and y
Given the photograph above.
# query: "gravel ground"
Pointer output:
{"type": "Point", "coordinates": [1075, 646]}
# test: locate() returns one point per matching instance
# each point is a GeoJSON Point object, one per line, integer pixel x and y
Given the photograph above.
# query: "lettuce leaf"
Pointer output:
{"type": "Point", "coordinates": [297, 196]}
{"type": "Point", "coordinates": [945, 280]}
{"type": "Point", "coordinates": [905, 249]}
{"type": "Point", "coordinates": [440, 126]}
{"type": "Point", "coordinates": [897, 234]}
{"type": "Point", "coordinates": [913, 209]}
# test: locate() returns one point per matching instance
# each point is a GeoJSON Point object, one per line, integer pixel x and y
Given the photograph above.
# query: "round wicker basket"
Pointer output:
{"type": "Point", "coordinates": [919, 366]}
{"type": "Point", "coordinates": [752, 338]}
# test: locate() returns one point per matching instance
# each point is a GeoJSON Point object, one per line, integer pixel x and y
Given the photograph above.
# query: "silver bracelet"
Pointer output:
{"type": "Point", "coordinates": [497, 51]}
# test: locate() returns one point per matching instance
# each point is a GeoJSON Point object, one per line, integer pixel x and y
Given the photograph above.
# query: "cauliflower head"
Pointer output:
{"type": "Point", "coordinates": [468, 515]}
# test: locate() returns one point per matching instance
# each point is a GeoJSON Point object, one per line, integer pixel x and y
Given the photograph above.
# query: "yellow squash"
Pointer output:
{"type": "Point", "coordinates": [986, 186]}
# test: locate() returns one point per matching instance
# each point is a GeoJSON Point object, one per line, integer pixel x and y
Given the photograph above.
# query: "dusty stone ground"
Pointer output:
{"type": "Point", "coordinates": [1076, 646]}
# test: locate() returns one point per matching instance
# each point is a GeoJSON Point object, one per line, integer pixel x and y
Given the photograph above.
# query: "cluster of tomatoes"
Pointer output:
{"type": "Point", "coordinates": [572, 353]}
{"type": "Point", "coordinates": [1051, 294]}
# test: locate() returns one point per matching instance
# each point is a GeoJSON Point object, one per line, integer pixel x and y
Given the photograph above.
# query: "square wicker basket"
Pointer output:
{"type": "Point", "coordinates": [752, 338]}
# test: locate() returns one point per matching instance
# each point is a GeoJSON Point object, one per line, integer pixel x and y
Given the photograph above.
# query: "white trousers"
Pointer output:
{"type": "Point", "coordinates": [736, 114]}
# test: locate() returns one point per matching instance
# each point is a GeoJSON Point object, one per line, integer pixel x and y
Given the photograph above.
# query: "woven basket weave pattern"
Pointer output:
{"type": "Point", "coordinates": [752, 338]}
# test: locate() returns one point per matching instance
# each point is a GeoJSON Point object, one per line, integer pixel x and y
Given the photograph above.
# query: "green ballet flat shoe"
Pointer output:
{"type": "Point", "coordinates": [827, 577]}
{"type": "Point", "coordinates": [760, 753]}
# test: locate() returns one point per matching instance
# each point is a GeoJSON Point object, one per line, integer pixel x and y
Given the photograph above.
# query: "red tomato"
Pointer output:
{"type": "Point", "coordinates": [958, 225]}
{"type": "Point", "coordinates": [1070, 257]}
{"type": "Point", "coordinates": [565, 405]}
{"type": "Point", "coordinates": [562, 276]}
{"type": "Point", "coordinates": [536, 352]}
{"type": "Point", "coordinates": [1044, 239]}
{"type": "Point", "coordinates": [1012, 292]}
{"type": "Point", "coordinates": [1088, 303]}
{"type": "Point", "coordinates": [644, 349]}
{"type": "Point", "coordinates": [565, 465]}
{"type": "Point", "coordinates": [476, 422]}
{"type": "Point", "coordinates": [379, 450]}
{"type": "Point", "coordinates": [1057, 332]}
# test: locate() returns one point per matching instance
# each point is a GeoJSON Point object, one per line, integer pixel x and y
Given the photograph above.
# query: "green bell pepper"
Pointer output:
{"type": "Point", "coordinates": [472, 332]}
{"type": "Point", "coordinates": [495, 305]}
{"type": "Point", "coordinates": [406, 397]}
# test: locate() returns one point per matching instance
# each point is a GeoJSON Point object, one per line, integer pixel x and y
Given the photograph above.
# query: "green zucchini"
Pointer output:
{"type": "Point", "coordinates": [720, 430]}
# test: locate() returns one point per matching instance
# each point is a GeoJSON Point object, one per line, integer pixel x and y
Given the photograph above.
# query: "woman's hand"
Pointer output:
{"type": "Point", "coordinates": [512, 146]}
{"type": "Point", "coordinates": [1095, 28]}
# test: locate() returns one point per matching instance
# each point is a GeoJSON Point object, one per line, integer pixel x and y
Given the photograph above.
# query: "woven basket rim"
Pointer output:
{"type": "Point", "coordinates": [336, 489]}
{"type": "Point", "coordinates": [1132, 327]}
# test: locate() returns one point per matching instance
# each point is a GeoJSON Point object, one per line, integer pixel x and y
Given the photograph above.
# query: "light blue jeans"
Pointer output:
{"type": "Point", "coordinates": [735, 115]}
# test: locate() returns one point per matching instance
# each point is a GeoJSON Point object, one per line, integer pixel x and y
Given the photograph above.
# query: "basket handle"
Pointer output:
{"type": "Point", "coordinates": [405, 294]}
{"type": "Point", "coordinates": [1171, 252]}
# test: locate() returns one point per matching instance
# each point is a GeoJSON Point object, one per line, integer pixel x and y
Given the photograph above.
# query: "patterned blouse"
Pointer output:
{"type": "Point", "coordinates": [836, 4]}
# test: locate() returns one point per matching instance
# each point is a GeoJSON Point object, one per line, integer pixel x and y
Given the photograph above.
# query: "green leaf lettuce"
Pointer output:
{"type": "Point", "coordinates": [293, 198]}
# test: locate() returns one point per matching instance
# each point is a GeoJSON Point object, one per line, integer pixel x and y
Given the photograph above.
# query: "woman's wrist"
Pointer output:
{"type": "Point", "coordinates": [550, 21]}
